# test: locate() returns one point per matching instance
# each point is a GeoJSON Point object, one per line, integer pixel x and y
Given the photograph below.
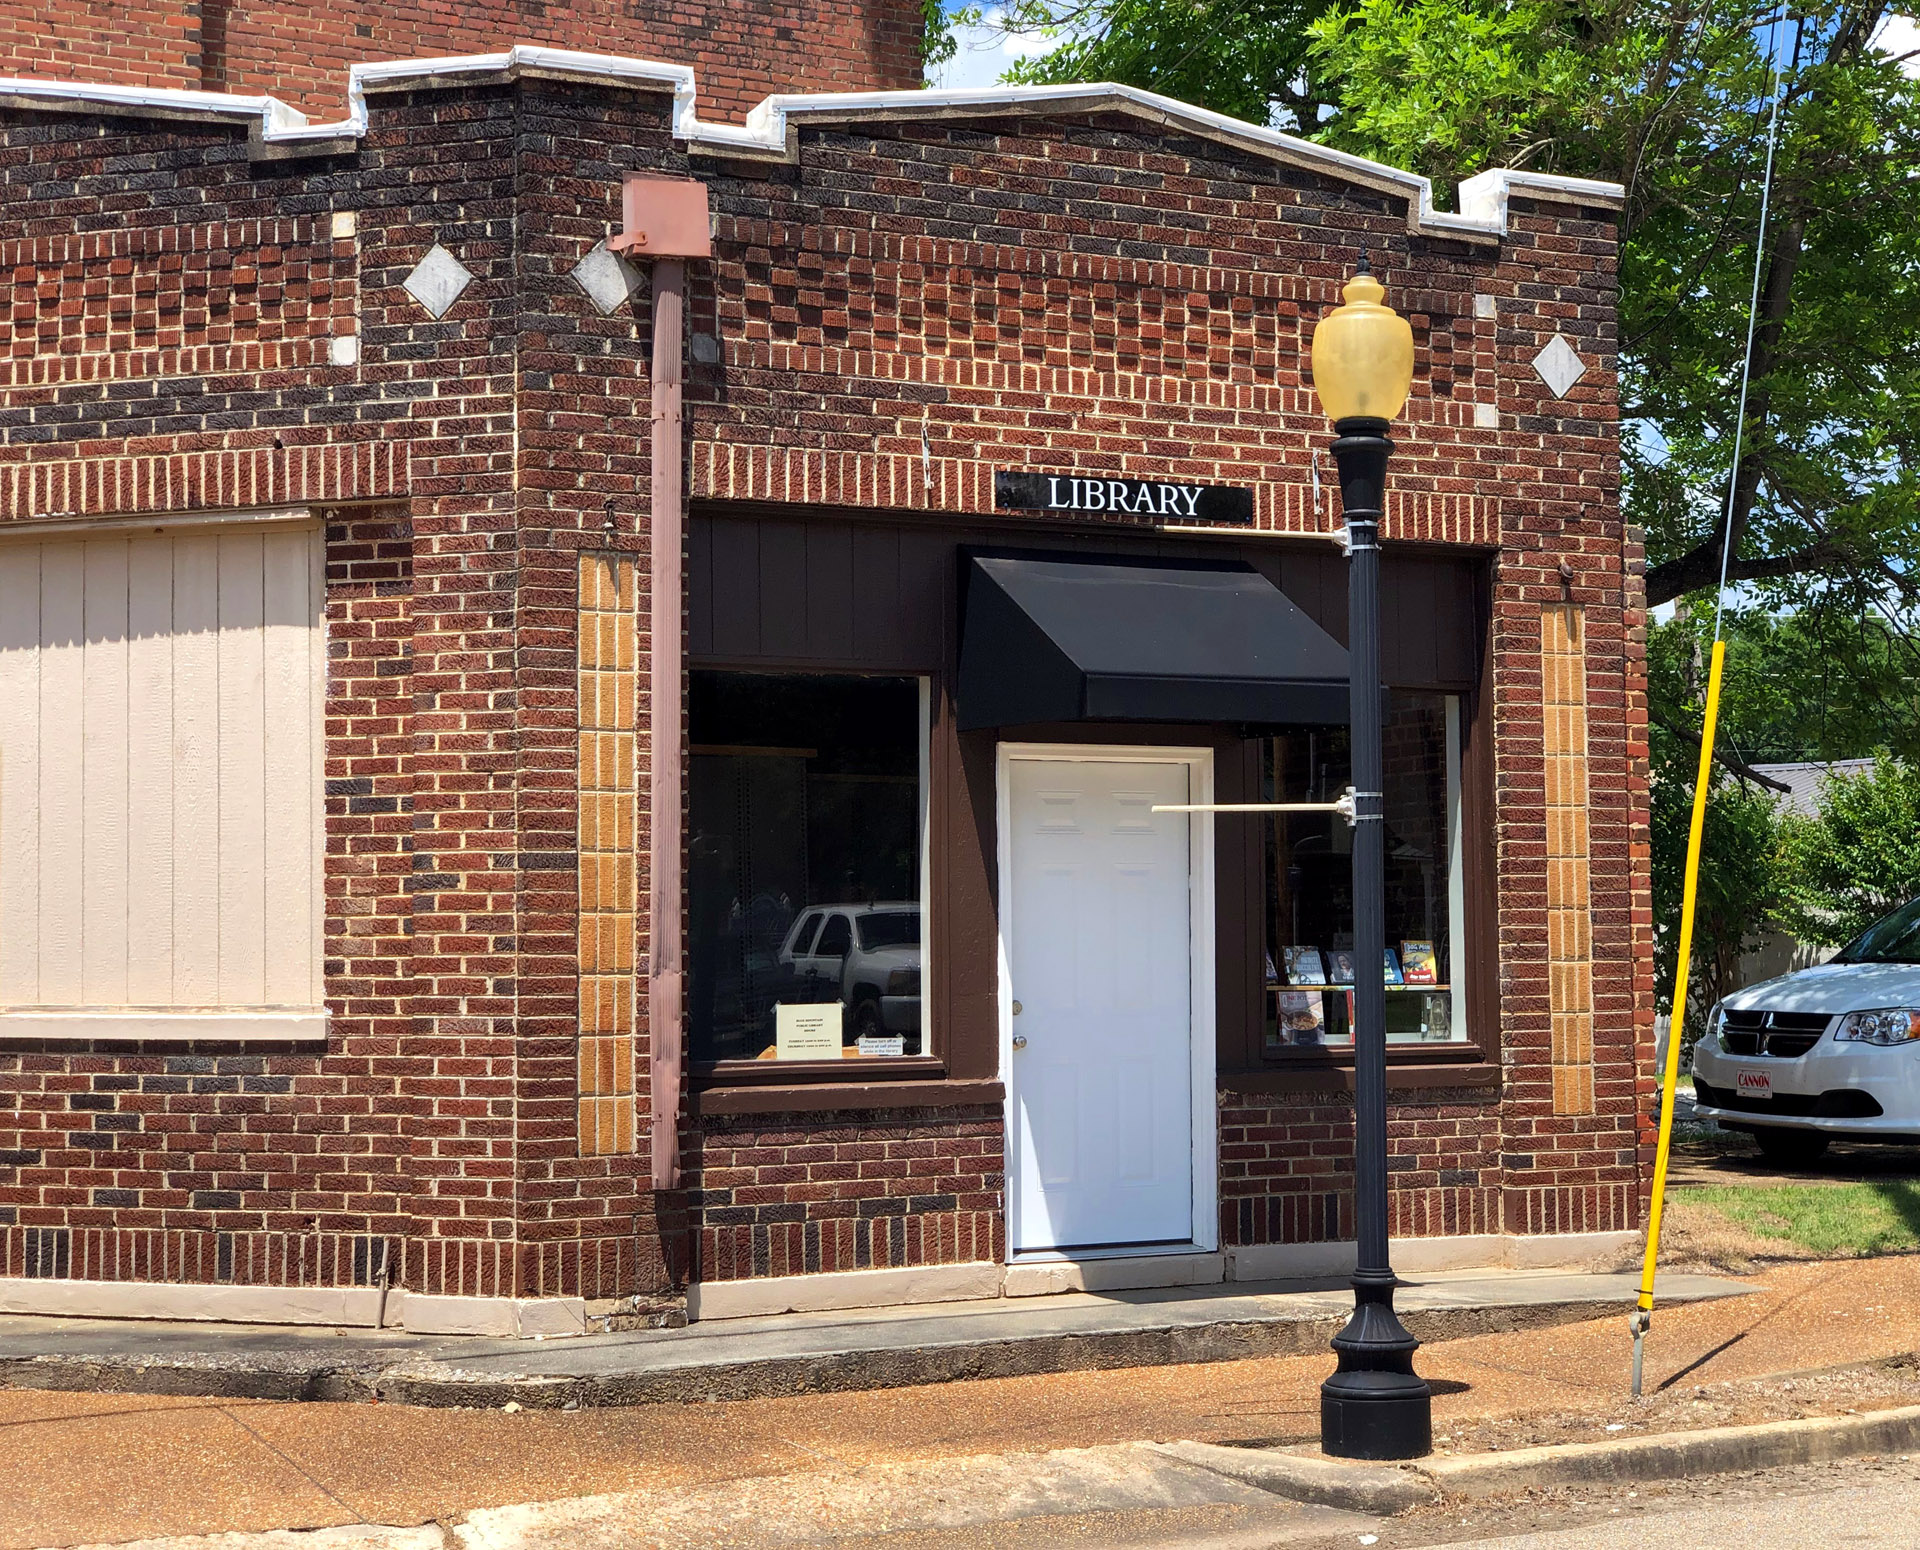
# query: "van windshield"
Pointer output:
{"type": "Point", "coordinates": [1893, 938]}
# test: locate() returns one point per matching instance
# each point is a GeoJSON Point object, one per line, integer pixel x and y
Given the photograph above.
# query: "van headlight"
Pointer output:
{"type": "Point", "coordinates": [1716, 1024]}
{"type": "Point", "coordinates": [1887, 1025]}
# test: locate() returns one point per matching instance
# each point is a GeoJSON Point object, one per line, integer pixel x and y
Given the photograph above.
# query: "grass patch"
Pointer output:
{"type": "Point", "coordinates": [1828, 1221]}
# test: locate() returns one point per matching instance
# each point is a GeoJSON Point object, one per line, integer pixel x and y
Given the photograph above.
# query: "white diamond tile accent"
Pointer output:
{"type": "Point", "coordinates": [437, 281]}
{"type": "Point", "coordinates": [607, 278]}
{"type": "Point", "coordinates": [1558, 366]}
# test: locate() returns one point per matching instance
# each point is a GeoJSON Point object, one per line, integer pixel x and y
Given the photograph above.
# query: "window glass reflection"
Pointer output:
{"type": "Point", "coordinates": [1309, 882]}
{"type": "Point", "coordinates": [804, 922]}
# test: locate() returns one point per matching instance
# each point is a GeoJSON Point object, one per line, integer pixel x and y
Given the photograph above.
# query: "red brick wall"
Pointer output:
{"type": "Point", "coordinates": [778, 1195]}
{"type": "Point", "coordinates": [189, 300]}
{"type": "Point", "coordinates": [1286, 1167]}
{"type": "Point", "coordinates": [867, 364]}
{"type": "Point", "coordinates": [137, 42]}
{"type": "Point", "coordinates": [580, 407]}
{"type": "Point", "coordinates": [300, 50]}
{"type": "Point", "coordinates": [1563, 542]}
{"type": "Point", "coordinates": [261, 1166]}
{"type": "Point", "coordinates": [1096, 295]}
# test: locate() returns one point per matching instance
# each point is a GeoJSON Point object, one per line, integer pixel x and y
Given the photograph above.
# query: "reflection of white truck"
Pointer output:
{"type": "Point", "coordinates": [867, 957]}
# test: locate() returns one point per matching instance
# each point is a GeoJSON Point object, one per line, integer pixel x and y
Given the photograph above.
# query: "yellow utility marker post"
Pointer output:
{"type": "Point", "coordinates": [1642, 1316]}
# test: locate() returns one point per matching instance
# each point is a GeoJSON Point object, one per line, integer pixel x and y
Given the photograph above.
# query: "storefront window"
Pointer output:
{"type": "Point", "coordinates": [806, 929]}
{"type": "Point", "coordinates": [1309, 882]}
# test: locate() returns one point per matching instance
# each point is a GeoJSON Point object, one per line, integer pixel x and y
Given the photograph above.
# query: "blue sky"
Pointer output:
{"type": "Point", "coordinates": [985, 52]}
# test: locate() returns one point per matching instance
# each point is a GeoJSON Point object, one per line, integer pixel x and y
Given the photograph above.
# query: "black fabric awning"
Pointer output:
{"type": "Point", "coordinates": [1050, 638]}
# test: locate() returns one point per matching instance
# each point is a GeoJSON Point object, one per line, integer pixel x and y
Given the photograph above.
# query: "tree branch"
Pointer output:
{"type": "Point", "coordinates": [1731, 765]}
{"type": "Point", "coordinates": [1700, 567]}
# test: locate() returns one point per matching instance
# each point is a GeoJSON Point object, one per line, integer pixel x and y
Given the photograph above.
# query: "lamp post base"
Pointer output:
{"type": "Point", "coordinates": [1374, 1406]}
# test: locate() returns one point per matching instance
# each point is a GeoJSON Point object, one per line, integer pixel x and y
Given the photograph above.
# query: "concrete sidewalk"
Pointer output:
{"type": "Point", "coordinates": [86, 1468]}
{"type": "Point", "coordinates": [795, 1353]}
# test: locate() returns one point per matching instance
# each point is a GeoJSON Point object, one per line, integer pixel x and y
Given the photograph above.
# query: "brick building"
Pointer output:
{"type": "Point", "coordinates": [299, 51]}
{"type": "Point", "coordinates": [418, 894]}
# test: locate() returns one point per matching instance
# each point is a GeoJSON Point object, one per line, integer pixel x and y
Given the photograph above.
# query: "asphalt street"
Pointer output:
{"type": "Point", "coordinates": [1882, 1516]}
{"type": "Point", "coordinates": [1817, 1507]}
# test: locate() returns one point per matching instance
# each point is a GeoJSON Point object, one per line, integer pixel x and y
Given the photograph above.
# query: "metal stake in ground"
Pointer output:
{"type": "Point", "coordinates": [1374, 1406]}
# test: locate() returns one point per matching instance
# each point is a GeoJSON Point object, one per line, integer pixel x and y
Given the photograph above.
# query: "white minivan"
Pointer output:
{"type": "Point", "coordinates": [1833, 1050]}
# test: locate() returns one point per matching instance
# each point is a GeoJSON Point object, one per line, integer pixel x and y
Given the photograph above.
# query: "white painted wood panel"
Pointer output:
{"type": "Point", "coordinates": [160, 780]}
{"type": "Point", "coordinates": [62, 750]}
{"type": "Point", "coordinates": [243, 735]}
{"type": "Point", "coordinates": [19, 774]}
{"type": "Point", "coordinates": [287, 638]}
{"type": "Point", "coordinates": [150, 884]}
{"type": "Point", "coordinates": [196, 770]}
{"type": "Point", "coordinates": [103, 777]}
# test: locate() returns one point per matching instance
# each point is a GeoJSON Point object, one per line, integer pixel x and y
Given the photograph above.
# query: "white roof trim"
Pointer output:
{"type": "Point", "coordinates": [769, 131]}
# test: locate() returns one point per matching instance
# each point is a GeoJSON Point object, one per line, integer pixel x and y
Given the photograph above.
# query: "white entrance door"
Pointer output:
{"type": "Point", "coordinates": [1098, 922]}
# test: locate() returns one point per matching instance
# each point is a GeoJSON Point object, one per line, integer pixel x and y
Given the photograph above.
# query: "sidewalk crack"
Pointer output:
{"type": "Point", "coordinates": [295, 1465]}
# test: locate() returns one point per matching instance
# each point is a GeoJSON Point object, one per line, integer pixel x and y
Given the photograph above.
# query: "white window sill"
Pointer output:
{"type": "Point", "coordinates": [159, 1025]}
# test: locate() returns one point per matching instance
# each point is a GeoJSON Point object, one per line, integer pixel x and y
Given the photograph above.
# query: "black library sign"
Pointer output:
{"type": "Point", "coordinates": [1213, 504]}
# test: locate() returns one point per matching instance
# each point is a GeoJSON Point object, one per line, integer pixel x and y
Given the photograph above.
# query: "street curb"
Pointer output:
{"type": "Point", "coordinates": [214, 1378]}
{"type": "Point", "coordinates": [1678, 1455]}
{"type": "Point", "coordinates": [1382, 1489]}
{"type": "Point", "coordinates": [1386, 1489]}
{"type": "Point", "coordinates": [445, 1383]}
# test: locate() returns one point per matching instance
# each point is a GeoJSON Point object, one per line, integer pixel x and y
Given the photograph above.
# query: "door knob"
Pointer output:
{"type": "Point", "coordinates": [1019, 1041]}
{"type": "Point", "coordinates": [1016, 1009]}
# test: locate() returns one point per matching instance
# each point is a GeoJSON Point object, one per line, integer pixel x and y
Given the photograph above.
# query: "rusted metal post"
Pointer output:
{"type": "Point", "coordinates": [666, 973]}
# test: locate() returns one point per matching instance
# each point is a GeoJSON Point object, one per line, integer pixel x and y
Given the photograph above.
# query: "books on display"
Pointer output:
{"type": "Point", "coordinates": [1303, 1016]}
{"type": "Point", "coordinates": [1417, 963]}
{"type": "Point", "coordinates": [1304, 966]}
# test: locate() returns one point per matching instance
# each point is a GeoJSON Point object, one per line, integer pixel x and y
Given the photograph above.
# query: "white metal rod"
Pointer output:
{"type": "Point", "coordinates": [1249, 807]}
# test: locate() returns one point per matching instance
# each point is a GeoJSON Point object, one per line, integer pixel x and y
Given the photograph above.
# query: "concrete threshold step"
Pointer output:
{"type": "Point", "coordinates": [797, 1353]}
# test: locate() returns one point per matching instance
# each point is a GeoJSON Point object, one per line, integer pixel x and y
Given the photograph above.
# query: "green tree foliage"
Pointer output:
{"type": "Point", "coordinates": [1782, 699]}
{"type": "Point", "coordinates": [1669, 98]}
{"type": "Point", "coordinates": [1739, 889]}
{"type": "Point", "coordinates": [1814, 685]}
{"type": "Point", "coordinates": [937, 42]}
{"type": "Point", "coordinates": [1858, 859]}
{"type": "Point", "coordinates": [1253, 59]}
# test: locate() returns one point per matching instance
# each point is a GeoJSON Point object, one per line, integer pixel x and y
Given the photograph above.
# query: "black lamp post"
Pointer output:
{"type": "Point", "coordinates": [1374, 1406]}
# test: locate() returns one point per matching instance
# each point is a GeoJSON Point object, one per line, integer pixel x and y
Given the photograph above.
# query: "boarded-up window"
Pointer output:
{"type": "Point", "coordinates": [160, 794]}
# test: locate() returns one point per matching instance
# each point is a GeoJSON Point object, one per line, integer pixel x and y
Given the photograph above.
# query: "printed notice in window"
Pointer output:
{"type": "Point", "coordinates": [808, 1032]}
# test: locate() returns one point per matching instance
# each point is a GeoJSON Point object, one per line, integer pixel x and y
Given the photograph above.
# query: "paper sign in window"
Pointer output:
{"type": "Point", "coordinates": [808, 1032]}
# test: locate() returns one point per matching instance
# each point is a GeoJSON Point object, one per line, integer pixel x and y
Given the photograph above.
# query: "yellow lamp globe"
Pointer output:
{"type": "Point", "coordinates": [1363, 354]}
